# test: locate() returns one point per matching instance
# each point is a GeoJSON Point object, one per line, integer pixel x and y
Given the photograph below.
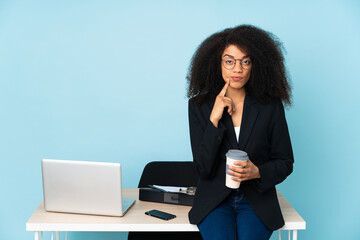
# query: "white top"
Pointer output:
{"type": "Point", "coordinates": [237, 132]}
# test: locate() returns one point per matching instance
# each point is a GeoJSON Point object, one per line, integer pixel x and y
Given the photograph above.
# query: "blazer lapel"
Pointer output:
{"type": "Point", "coordinates": [250, 113]}
{"type": "Point", "coordinates": [230, 132]}
{"type": "Point", "coordinates": [248, 119]}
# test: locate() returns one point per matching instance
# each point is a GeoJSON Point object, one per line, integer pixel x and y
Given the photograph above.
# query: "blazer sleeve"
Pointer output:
{"type": "Point", "coordinates": [205, 141]}
{"type": "Point", "coordinates": [280, 163]}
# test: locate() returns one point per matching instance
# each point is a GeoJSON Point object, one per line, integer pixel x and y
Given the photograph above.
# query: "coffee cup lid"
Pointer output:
{"type": "Point", "coordinates": [237, 154]}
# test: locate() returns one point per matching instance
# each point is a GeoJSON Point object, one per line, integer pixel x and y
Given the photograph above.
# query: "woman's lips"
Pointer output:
{"type": "Point", "coordinates": [236, 79]}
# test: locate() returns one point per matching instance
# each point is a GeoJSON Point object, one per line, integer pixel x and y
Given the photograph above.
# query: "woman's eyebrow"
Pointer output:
{"type": "Point", "coordinates": [234, 57]}
{"type": "Point", "coordinates": [229, 55]}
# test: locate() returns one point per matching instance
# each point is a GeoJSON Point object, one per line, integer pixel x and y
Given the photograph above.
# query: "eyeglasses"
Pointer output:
{"type": "Point", "coordinates": [229, 62]}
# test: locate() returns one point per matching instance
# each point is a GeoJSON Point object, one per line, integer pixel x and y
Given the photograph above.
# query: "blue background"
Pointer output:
{"type": "Point", "coordinates": [88, 80]}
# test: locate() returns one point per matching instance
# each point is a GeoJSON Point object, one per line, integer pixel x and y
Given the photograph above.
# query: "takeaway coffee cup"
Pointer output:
{"type": "Point", "coordinates": [231, 156]}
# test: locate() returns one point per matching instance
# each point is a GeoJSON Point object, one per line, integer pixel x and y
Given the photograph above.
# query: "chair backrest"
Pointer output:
{"type": "Point", "coordinates": [169, 173]}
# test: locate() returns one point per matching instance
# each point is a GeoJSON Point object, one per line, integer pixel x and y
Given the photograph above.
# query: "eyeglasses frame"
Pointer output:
{"type": "Point", "coordinates": [240, 61]}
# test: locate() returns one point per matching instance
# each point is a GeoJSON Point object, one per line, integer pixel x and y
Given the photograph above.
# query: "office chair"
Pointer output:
{"type": "Point", "coordinates": [168, 173]}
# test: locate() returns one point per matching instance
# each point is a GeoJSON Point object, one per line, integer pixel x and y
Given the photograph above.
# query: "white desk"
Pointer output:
{"type": "Point", "coordinates": [136, 220]}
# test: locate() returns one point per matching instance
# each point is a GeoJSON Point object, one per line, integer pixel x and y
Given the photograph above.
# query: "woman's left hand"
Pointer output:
{"type": "Point", "coordinates": [245, 171]}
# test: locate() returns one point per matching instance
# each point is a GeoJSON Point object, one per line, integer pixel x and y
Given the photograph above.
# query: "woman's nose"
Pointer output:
{"type": "Point", "coordinates": [237, 67]}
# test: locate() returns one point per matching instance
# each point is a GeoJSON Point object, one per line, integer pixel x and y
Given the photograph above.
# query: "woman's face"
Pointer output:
{"type": "Point", "coordinates": [235, 66]}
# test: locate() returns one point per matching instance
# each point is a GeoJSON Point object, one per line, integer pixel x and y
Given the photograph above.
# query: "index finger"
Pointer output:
{"type": "Point", "coordinates": [223, 91]}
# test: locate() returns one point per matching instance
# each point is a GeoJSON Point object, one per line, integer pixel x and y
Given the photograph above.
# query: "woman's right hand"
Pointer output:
{"type": "Point", "coordinates": [221, 102]}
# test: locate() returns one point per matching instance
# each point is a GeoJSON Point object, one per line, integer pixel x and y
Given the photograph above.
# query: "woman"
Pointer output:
{"type": "Point", "coordinates": [237, 87]}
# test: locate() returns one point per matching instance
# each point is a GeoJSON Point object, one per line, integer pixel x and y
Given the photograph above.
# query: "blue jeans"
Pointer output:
{"type": "Point", "coordinates": [234, 219]}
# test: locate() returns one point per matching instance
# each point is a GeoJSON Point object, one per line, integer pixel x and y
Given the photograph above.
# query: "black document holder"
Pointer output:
{"type": "Point", "coordinates": [156, 195]}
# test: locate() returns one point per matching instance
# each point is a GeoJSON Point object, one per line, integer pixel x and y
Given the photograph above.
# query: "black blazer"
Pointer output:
{"type": "Point", "coordinates": [264, 136]}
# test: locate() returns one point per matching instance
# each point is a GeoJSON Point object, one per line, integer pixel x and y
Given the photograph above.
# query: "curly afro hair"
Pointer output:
{"type": "Point", "coordinates": [268, 78]}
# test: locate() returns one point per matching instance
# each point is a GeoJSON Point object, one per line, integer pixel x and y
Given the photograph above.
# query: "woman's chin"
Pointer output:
{"type": "Point", "coordinates": [236, 86]}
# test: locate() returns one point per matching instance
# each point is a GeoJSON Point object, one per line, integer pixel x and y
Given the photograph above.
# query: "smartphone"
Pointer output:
{"type": "Point", "coordinates": [160, 214]}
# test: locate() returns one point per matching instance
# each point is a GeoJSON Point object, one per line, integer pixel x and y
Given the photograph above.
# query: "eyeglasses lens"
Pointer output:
{"type": "Point", "coordinates": [229, 63]}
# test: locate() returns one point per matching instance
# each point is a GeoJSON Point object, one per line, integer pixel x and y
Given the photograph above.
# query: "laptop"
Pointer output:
{"type": "Point", "coordinates": [83, 187]}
